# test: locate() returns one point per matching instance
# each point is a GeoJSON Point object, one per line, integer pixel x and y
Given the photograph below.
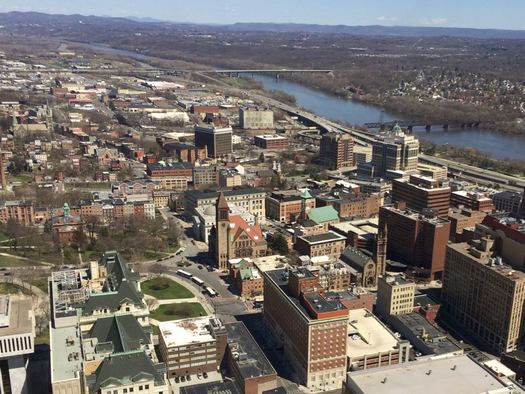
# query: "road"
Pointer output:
{"type": "Point", "coordinates": [226, 305]}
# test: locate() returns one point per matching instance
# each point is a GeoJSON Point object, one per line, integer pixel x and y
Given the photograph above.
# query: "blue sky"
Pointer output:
{"type": "Point", "coordinates": [504, 14]}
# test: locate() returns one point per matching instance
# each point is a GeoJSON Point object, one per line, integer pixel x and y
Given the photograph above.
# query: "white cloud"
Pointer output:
{"type": "Point", "coordinates": [383, 18]}
{"type": "Point", "coordinates": [434, 21]}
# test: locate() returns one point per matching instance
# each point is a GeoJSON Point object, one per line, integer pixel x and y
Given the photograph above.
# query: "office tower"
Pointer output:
{"type": "Point", "coordinates": [419, 193]}
{"type": "Point", "coordinates": [217, 140]}
{"type": "Point", "coordinates": [336, 150]}
{"type": "Point", "coordinates": [395, 151]}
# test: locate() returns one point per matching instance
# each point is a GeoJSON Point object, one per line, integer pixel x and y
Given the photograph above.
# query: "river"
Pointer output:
{"type": "Point", "coordinates": [497, 145]}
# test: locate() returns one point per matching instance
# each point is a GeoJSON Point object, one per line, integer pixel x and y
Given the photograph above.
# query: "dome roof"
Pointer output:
{"type": "Point", "coordinates": [210, 210]}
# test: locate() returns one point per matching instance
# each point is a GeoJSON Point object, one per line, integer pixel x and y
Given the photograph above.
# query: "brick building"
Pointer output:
{"type": "Point", "coordinates": [471, 200]}
{"type": "Point", "coordinates": [232, 237]}
{"type": "Point", "coordinates": [417, 240]}
{"type": "Point", "coordinates": [421, 192]}
{"type": "Point", "coordinates": [286, 206]}
{"type": "Point", "coordinates": [21, 211]}
{"type": "Point", "coordinates": [311, 326]}
{"type": "Point", "coordinates": [336, 150]}
{"type": "Point", "coordinates": [271, 142]}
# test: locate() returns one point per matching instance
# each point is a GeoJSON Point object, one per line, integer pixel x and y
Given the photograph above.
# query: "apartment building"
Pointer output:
{"type": "Point", "coordinates": [21, 211]}
{"type": "Point", "coordinates": [311, 326]}
{"type": "Point", "coordinates": [336, 150]}
{"type": "Point", "coordinates": [255, 118]}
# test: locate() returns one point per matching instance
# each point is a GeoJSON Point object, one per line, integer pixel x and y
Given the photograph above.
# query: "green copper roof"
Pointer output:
{"type": "Point", "coordinates": [306, 194]}
{"type": "Point", "coordinates": [323, 214]}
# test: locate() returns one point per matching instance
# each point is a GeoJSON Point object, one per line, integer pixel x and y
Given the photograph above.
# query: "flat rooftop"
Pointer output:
{"type": "Point", "coordinates": [360, 227]}
{"type": "Point", "coordinates": [319, 303]}
{"type": "Point", "coordinates": [329, 236]}
{"type": "Point", "coordinates": [270, 137]}
{"type": "Point", "coordinates": [16, 315]}
{"type": "Point", "coordinates": [66, 353]}
{"type": "Point", "coordinates": [458, 375]}
{"type": "Point", "coordinates": [251, 360]}
{"type": "Point", "coordinates": [488, 262]}
{"type": "Point", "coordinates": [187, 331]}
{"type": "Point", "coordinates": [367, 335]}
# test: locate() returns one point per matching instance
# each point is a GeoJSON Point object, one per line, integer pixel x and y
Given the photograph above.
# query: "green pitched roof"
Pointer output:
{"type": "Point", "coordinates": [323, 214]}
{"type": "Point", "coordinates": [125, 369]}
{"type": "Point", "coordinates": [306, 194]}
{"type": "Point", "coordinates": [119, 333]}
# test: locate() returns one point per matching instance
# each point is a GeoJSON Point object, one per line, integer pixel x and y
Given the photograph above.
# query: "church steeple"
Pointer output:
{"type": "Point", "coordinates": [222, 208]}
{"type": "Point", "coordinates": [380, 250]}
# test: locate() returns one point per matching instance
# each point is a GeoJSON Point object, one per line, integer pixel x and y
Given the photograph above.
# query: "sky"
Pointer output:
{"type": "Point", "coordinates": [498, 14]}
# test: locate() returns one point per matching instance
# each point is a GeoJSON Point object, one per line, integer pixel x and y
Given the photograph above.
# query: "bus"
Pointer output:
{"type": "Point", "coordinates": [198, 281]}
{"type": "Point", "coordinates": [210, 291]}
{"type": "Point", "coordinates": [184, 274]}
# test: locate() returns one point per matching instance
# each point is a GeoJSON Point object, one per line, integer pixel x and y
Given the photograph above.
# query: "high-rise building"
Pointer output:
{"type": "Point", "coordinates": [484, 296]}
{"type": "Point", "coordinates": [311, 326]}
{"type": "Point", "coordinates": [336, 150]}
{"type": "Point", "coordinates": [395, 295]}
{"type": "Point", "coordinates": [416, 239]}
{"type": "Point", "coordinates": [395, 151]}
{"type": "Point", "coordinates": [420, 192]}
{"type": "Point", "coordinates": [217, 140]}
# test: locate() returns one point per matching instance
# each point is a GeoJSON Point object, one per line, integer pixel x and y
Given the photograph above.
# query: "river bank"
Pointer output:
{"type": "Point", "coordinates": [495, 145]}
{"type": "Point", "coordinates": [415, 109]}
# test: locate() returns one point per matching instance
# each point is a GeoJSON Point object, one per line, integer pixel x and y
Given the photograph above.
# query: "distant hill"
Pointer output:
{"type": "Point", "coordinates": [378, 30]}
{"type": "Point", "coordinates": [35, 18]}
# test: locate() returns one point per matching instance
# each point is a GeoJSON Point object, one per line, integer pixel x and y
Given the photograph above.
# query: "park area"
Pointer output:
{"type": "Point", "coordinates": [178, 311]}
{"type": "Point", "coordinates": [165, 289]}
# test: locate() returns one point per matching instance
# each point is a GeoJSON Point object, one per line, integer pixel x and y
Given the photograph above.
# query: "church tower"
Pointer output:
{"type": "Point", "coordinates": [380, 251]}
{"type": "Point", "coordinates": [222, 226]}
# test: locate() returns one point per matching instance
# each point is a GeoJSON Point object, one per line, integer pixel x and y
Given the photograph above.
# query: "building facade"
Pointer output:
{"type": "Point", "coordinates": [484, 296]}
{"type": "Point", "coordinates": [217, 140]}
{"type": "Point", "coordinates": [312, 327]}
{"type": "Point", "coordinates": [336, 150]}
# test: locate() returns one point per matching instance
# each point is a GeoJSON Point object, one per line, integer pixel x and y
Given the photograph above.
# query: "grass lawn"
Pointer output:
{"type": "Point", "coordinates": [9, 288]}
{"type": "Point", "coordinates": [8, 261]}
{"type": "Point", "coordinates": [165, 289]}
{"type": "Point", "coordinates": [41, 283]}
{"type": "Point", "coordinates": [178, 311]}
{"type": "Point", "coordinates": [42, 338]}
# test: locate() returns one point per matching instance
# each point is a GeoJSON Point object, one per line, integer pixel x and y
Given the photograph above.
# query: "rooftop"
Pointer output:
{"type": "Point", "coordinates": [16, 315]}
{"type": "Point", "coordinates": [329, 236]}
{"type": "Point", "coordinates": [251, 360]}
{"type": "Point", "coordinates": [323, 214]}
{"type": "Point", "coordinates": [436, 340]}
{"type": "Point", "coordinates": [367, 335]}
{"type": "Point", "coordinates": [458, 375]}
{"type": "Point", "coordinates": [495, 264]}
{"type": "Point", "coordinates": [189, 331]}
{"type": "Point", "coordinates": [211, 388]}
{"type": "Point", "coordinates": [270, 137]}
{"type": "Point", "coordinates": [66, 357]}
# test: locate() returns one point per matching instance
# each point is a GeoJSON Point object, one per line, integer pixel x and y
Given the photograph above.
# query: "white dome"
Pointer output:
{"type": "Point", "coordinates": [210, 210]}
